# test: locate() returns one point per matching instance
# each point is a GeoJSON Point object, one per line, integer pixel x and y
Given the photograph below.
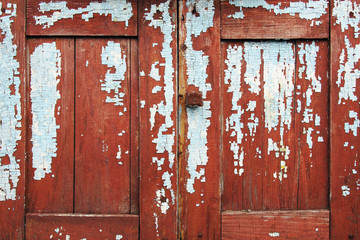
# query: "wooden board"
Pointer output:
{"type": "Point", "coordinates": [80, 18]}
{"type": "Point", "coordinates": [158, 119]}
{"type": "Point", "coordinates": [199, 141]}
{"type": "Point", "coordinates": [312, 123]}
{"type": "Point", "coordinates": [12, 119]}
{"type": "Point", "coordinates": [50, 171]}
{"type": "Point", "coordinates": [134, 128]}
{"type": "Point", "coordinates": [274, 19]}
{"type": "Point", "coordinates": [276, 224]}
{"type": "Point", "coordinates": [81, 226]}
{"type": "Point", "coordinates": [275, 125]}
{"type": "Point", "coordinates": [345, 111]}
{"type": "Point", "coordinates": [102, 129]}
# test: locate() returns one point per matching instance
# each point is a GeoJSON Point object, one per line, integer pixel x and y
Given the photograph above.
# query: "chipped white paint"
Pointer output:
{"type": "Point", "coordinates": [279, 69]}
{"type": "Point", "coordinates": [10, 106]}
{"type": "Point", "coordinates": [355, 125]}
{"type": "Point", "coordinates": [113, 57]}
{"type": "Point", "coordinates": [45, 68]}
{"type": "Point", "coordinates": [348, 73]}
{"type": "Point", "coordinates": [347, 15]}
{"type": "Point", "coordinates": [274, 234]}
{"type": "Point", "coordinates": [197, 63]}
{"type": "Point", "coordinates": [345, 190]}
{"type": "Point", "coordinates": [312, 10]}
{"type": "Point", "coordinates": [118, 237]}
{"type": "Point", "coordinates": [120, 11]}
{"type": "Point", "coordinates": [234, 123]}
{"type": "Point", "coordinates": [165, 131]}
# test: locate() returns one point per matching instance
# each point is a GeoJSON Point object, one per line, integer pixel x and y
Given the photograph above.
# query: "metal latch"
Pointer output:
{"type": "Point", "coordinates": [194, 99]}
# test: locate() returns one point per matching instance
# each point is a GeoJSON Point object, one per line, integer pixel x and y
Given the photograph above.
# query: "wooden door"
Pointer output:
{"type": "Point", "coordinates": [190, 119]}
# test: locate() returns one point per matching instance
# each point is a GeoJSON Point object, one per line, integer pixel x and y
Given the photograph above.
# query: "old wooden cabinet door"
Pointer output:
{"type": "Point", "coordinates": [100, 138]}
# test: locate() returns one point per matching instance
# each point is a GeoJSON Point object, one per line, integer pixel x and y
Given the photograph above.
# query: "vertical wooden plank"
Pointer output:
{"type": "Point", "coordinates": [158, 119]}
{"type": "Point", "coordinates": [102, 132]}
{"type": "Point", "coordinates": [280, 181]}
{"type": "Point", "coordinates": [345, 111]}
{"type": "Point", "coordinates": [134, 125]}
{"type": "Point", "coordinates": [12, 119]}
{"type": "Point", "coordinates": [199, 70]}
{"type": "Point", "coordinates": [242, 117]}
{"type": "Point", "coordinates": [312, 123]}
{"type": "Point", "coordinates": [51, 125]}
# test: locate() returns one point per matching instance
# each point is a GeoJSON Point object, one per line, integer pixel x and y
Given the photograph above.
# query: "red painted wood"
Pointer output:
{"type": "Point", "coordinates": [54, 193]}
{"type": "Point", "coordinates": [106, 24]}
{"type": "Point", "coordinates": [243, 180]}
{"type": "Point", "coordinates": [102, 171]}
{"type": "Point", "coordinates": [12, 211]}
{"type": "Point", "coordinates": [276, 224]}
{"type": "Point", "coordinates": [199, 139]}
{"type": "Point", "coordinates": [158, 131]}
{"type": "Point", "coordinates": [345, 109]}
{"type": "Point", "coordinates": [134, 127]}
{"type": "Point", "coordinates": [260, 23]}
{"type": "Point", "coordinates": [81, 226]}
{"type": "Point", "coordinates": [313, 143]}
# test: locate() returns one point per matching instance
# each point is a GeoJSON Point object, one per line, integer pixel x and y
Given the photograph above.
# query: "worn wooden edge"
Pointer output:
{"type": "Point", "coordinates": [298, 224]}
{"type": "Point", "coordinates": [79, 215]}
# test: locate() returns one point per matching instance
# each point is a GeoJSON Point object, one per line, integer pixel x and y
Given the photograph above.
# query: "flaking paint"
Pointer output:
{"type": "Point", "coordinates": [120, 11]}
{"type": "Point", "coordinates": [198, 119]}
{"type": "Point", "coordinates": [311, 10]}
{"type": "Point", "coordinates": [10, 105]}
{"type": "Point", "coordinates": [45, 69]}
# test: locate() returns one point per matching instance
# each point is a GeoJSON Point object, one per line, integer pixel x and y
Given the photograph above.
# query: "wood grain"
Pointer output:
{"type": "Point", "coordinates": [158, 119]}
{"type": "Point", "coordinates": [276, 224]}
{"type": "Point", "coordinates": [80, 226]}
{"type": "Point", "coordinates": [312, 123]}
{"type": "Point", "coordinates": [102, 130]}
{"type": "Point", "coordinates": [260, 23]}
{"type": "Point", "coordinates": [345, 110]}
{"type": "Point", "coordinates": [104, 24]}
{"type": "Point", "coordinates": [199, 141]}
{"type": "Point", "coordinates": [54, 193]}
{"type": "Point", "coordinates": [12, 211]}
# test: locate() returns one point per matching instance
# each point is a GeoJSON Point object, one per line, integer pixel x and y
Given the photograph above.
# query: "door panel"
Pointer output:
{"type": "Point", "coordinates": [102, 146]}
{"type": "Point", "coordinates": [275, 120]}
{"type": "Point", "coordinates": [51, 125]}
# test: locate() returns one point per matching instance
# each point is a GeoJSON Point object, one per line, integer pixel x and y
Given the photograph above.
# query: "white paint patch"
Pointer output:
{"type": "Point", "coordinates": [345, 190]}
{"type": "Point", "coordinates": [119, 237]}
{"type": "Point", "coordinates": [234, 122]}
{"type": "Point", "coordinates": [356, 124]}
{"type": "Point", "coordinates": [120, 11]}
{"type": "Point", "coordinates": [348, 74]}
{"type": "Point", "coordinates": [165, 138]}
{"type": "Point", "coordinates": [197, 63]}
{"type": "Point", "coordinates": [45, 66]}
{"type": "Point", "coordinates": [310, 11]}
{"type": "Point", "coordinates": [347, 15]}
{"type": "Point", "coordinates": [113, 57]}
{"type": "Point", "coordinates": [10, 106]}
{"type": "Point", "coordinates": [274, 234]}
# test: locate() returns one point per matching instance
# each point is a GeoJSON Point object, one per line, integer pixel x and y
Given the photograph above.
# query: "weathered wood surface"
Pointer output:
{"type": "Point", "coordinates": [12, 119]}
{"type": "Point", "coordinates": [50, 169]}
{"type": "Point", "coordinates": [81, 226]}
{"type": "Point", "coordinates": [199, 139]}
{"type": "Point", "coordinates": [158, 119]}
{"type": "Point", "coordinates": [134, 127]}
{"type": "Point", "coordinates": [275, 125]}
{"type": "Point", "coordinates": [102, 129]}
{"type": "Point", "coordinates": [80, 18]}
{"type": "Point", "coordinates": [345, 110]}
{"type": "Point", "coordinates": [276, 225]}
{"type": "Point", "coordinates": [274, 19]}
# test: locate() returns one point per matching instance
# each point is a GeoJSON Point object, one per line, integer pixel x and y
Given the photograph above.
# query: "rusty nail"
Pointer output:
{"type": "Point", "coordinates": [200, 235]}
